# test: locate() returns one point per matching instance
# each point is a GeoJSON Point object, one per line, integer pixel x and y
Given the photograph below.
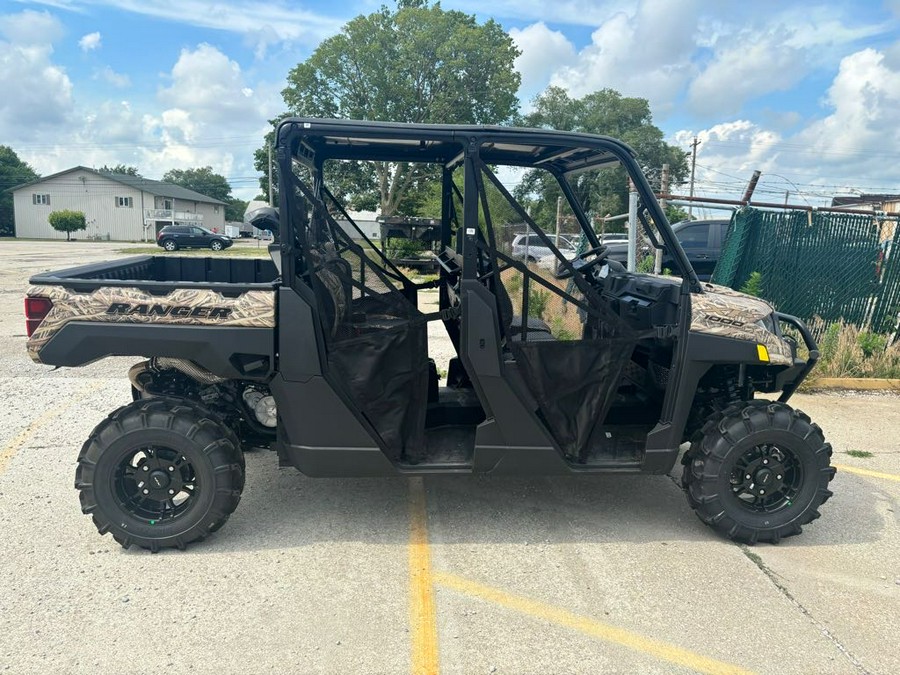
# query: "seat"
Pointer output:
{"type": "Point", "coordinates": [333, 274]}
{"type": "Point", "coordinates": [538, 330]}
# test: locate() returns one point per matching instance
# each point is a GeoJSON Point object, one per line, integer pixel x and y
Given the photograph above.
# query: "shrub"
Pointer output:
{"type": "Point", "coordinates": [537, 303]}
{"type": "Point", "coordinates": [646, 264]}
{"type": "Point", "coordinates": [871, 343]}
{"type": "Point", "coordinates": [754, 285]}
{"type": "Point", "coordinates": [848, 352]}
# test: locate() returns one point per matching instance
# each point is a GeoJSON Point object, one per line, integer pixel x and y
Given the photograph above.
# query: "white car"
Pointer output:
{"type": "Point", "coordinates": [530, 247]}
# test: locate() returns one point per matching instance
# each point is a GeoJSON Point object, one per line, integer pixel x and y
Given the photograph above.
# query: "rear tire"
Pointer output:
{"type": "Point", "coordinates": [160, 473]}
{"type": "Point", "coordinates": [170, 245]}
{"type": "Point", "coordinates": [758, 471]}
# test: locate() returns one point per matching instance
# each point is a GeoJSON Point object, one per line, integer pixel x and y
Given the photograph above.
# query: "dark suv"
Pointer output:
{"type": "Point", "coordinates": [701, 240]}
{"type": "Point", "coordinates": [174, 237]}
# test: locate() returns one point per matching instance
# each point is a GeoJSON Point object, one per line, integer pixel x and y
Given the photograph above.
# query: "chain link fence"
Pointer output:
{"type": "Point", "coordinates": [831, 266]}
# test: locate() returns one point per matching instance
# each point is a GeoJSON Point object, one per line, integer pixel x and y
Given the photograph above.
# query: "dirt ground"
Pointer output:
{"type": "Point", "coordinates": [451, 573]}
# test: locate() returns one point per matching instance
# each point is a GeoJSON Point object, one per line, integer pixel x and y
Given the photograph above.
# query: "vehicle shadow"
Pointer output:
{"type": "Point", "coordinates": [284, 509]}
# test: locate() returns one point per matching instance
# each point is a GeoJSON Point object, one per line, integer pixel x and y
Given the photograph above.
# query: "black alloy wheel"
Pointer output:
{"type": "Point", "coordinates": [758, 471]}
{"type": "Point", "coordinates": [160, 472]}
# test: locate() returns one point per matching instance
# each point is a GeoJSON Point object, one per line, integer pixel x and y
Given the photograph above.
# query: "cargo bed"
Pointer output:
{"type": "Point", "coordinates": [216, 312]}
{"type": "Point", "coordinates": [166, 271]}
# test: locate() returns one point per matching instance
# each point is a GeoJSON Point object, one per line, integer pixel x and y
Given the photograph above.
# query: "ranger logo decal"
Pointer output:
{"type": "Point", "coordinates": [176, 311]}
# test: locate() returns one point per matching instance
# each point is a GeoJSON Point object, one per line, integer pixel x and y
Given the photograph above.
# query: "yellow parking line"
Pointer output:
{"type": "Point", "coordinates": [588, 626]}
{"type": "Point", "coordinates": [866, 472]}
{"type": "Point", "coordinates": [422, 618]}
{"type": "Point", "coordinates": [11, 448]}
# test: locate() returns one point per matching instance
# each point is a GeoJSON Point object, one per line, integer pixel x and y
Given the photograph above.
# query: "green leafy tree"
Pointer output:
{"type": "Point", "coordinates": [120, 168]}
{"type": "Point", "coordinates": [13, 172]}
{"type": "Point", "coordinates": [67, 221]}
{"type": "Point", "coordinates": [234, 209]}
{"type": "Point", "coordinates": [417, 63]}
{"type": "Point", "coordinates": [203, 180]}
{"type": "Point", "coordinates": [604, 112]}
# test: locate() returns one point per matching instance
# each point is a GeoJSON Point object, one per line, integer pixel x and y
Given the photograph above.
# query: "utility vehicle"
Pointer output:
{"type": "Point", "coordinates": [321, 354]}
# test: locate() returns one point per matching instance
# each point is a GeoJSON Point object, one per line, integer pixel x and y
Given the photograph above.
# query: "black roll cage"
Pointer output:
{"type": "Point", "coordinates": [311, 142]}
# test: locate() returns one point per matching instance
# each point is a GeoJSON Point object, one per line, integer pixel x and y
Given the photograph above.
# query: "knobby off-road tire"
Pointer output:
{"type": "Point", "coordinates": [758, 471]}
{"type": "Point", "coordinates": [146, 451]}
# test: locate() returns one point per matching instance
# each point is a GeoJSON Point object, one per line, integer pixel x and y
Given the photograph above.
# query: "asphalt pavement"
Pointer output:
{"type": "Point", "coordinates": [450, 574]}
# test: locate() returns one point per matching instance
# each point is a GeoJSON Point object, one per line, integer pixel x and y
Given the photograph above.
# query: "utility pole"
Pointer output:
{"type": "Point", "coordinates": [271, 186]}
{"type": "Point", "coordinates": [694, 145]}
{"type": "Point", "coordinates": [632, 225]}
{"type": "Point", "coordinates": [657, 258]}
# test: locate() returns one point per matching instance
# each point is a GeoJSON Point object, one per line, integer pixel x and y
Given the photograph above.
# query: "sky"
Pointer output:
{"type": "Point", "coordinates": [806, 92]}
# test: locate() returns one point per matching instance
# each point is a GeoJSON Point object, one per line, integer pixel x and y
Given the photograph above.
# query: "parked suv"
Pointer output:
{"type": "Point", "coordinates": [530, 247]}
{"type": "Point", "coordinates": [174, 237]}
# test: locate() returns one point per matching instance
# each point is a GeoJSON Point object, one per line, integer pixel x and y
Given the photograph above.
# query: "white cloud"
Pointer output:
{"type": "Point", "coordinates": [753, 64]}
{"type": "Point", "coordinates": [89, 42]}
{"type": "Point", "coordinates": [646, 53]}
{"type": "Point", "coordinates": [110, 76]}
{"type": "Point", "coordinates": [853, 145]}
{"type": "Point", "coordinates": [36, 91]}
{"type": "Point", "coordinates": [209, 85]}
{"type": "Point", "coordinates": [263, 22]}
{"type": "Point", "coordinates": [863, 129]}
{"type": "Point", "coordinates": [31, 28]}
{"type": "Point", "coordinates": [543, 52]}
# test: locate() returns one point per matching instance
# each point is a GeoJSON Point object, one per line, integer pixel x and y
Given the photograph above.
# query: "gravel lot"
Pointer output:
{"type": "Point", "coordinates": [557, 575]}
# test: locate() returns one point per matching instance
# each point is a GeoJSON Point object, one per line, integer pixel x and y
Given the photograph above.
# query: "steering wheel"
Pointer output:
{"type": "Point", "coordinates": [585, 267]}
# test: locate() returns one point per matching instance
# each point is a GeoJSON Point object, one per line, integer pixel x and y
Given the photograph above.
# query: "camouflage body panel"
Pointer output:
{"type": "Point", "coordinates": [183, 306]}
{"type": "Point", "coordinates": [723, 311]}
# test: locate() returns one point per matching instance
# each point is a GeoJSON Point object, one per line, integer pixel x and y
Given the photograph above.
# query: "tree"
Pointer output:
{"type": "Point", "coordinates": [602, 112]}
{"type": "Point", "coordinates": [202, 180]}
{"type": "Point", "coordinates": [67, 221]}
{"type": "Point", "coordinates": [120, 168]}
{"type": "Point", "coordinates": [418, 63]}
{"type": "Point", "coordinates": [13, 172]}
{"type": "Point", "coordinates": [206, 182]}
{"type": "Point", "coordinates": [235, 208]}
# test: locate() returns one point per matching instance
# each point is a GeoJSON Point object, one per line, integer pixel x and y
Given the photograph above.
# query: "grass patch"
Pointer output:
{"type": "Point", "coordinates": [847, 351]}
{"type": "Point", "coordinates": [863, 454]}
{"type": "Point", "coordinates": [233, 252]}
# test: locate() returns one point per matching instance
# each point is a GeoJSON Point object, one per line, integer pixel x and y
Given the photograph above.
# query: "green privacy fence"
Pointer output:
{"type": "Point", "coordinates": [834, 266]}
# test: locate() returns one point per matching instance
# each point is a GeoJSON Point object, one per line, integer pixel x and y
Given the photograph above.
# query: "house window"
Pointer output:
{"type": "Point", "coordinates": [125, 202]}
{"type": "Point", "coordinates": [40, 199]}
{"type": "Point", "coordinates": [215, 209]}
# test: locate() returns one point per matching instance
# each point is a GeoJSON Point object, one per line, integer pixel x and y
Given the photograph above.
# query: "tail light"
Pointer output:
{"type": "Point", "coordinates": [36, 310]}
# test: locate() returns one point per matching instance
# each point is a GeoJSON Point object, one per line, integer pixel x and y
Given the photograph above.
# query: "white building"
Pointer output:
{"type": "Point", "coordinates": [116, 206]}
{"type": "Point", "coordinates": [366, 221]}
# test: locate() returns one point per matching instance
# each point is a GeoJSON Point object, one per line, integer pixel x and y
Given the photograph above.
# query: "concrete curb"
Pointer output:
{"type": "Point", "coordinates": [857, 383]}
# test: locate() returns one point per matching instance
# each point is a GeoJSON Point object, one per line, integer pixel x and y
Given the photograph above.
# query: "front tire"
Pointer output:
{"type": "Point", "coordinates": [160, 473]}
{"type": "Point", "coordinates": [217, 245]}
{"type": "Point", "coordinates": [758, 472]}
